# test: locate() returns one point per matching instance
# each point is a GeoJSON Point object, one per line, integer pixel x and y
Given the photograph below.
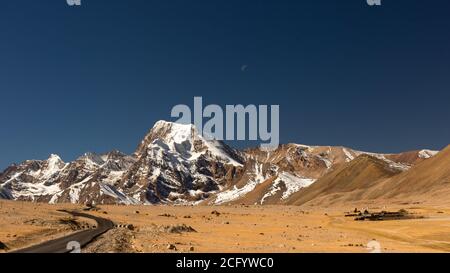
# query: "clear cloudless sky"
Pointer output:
{"type": "Point", "coordinates": [97, 77]}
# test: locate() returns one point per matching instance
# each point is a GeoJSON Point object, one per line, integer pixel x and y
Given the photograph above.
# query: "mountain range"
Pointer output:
{"type": "Point", "coordinates": [174, 164]}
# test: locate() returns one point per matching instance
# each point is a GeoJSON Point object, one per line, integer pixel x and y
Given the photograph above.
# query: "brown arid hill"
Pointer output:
{"type": "Point", "coordinates": [428, 180]}
{"type": "Point", "coordinates": [411, 157]}
{"type": "Point", "coordinates": [360, 181]}
{"type": "Point", "coordinates": [360, 174]}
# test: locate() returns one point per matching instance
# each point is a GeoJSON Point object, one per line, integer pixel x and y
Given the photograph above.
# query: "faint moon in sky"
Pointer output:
{"type": "Point", "coordinates": [244, 67]}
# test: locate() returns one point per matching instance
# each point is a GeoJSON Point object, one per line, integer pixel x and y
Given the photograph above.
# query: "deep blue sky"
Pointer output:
{"type": "Point", "coordinates": [97, 77]}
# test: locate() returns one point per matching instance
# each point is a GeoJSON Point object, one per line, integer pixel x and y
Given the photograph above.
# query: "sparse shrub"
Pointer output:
{"type": "Point", "coordinates": [166, 215]}
{"type": "Point", "coordinates": [74, 224]}
{"type": "Point", "coordinates": [215, 212]}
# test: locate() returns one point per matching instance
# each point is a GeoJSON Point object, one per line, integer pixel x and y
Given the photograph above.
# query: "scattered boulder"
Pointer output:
{"type": "Point", "coordinates": [177, 228]}
{"type": "Point", "coordinates": [91, 207]}
{"type": "Point", "coordinates": [171, 247]}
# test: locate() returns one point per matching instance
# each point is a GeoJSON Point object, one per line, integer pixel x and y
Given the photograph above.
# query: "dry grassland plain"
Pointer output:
{"type": "Point", "coordinates": [229, 229]}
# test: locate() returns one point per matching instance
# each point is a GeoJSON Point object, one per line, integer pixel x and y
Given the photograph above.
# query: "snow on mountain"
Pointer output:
{"type": "Point", "coordinates": [187, 142]}
{"type": "Point", "coordinates": [53, 181]}
{"type": "Point", "coordinates": [425, 154]}
{"type": "Point", "coordinates": [292, 183]}
{"type": "Point", "coordinates": [235, 193]}
{"type": "Point", "coordinates": [52, 166]}
{"type": "Point", "coordinates": [175, 164]}
{"type": "Point", "coordinates": [32, 179]}
{"type": "Point", "coordinates": [349, 156]}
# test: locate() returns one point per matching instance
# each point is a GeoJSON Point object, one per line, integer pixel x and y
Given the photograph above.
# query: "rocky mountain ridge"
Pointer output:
{"type": "Point", "coordinates": [174, 164]}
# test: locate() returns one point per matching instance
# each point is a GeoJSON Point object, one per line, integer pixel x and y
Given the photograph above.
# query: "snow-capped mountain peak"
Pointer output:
{"type": "Point", "coordinates": [52, 165]}
{"type": "Point", "coordinates": [185, 140]}
{"type": "Point", "coordinates": [54, 158]}
{"type": "Point", "coordinates": [174, 132]}
{"type": "Point", "coordinates": [425, 154]}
